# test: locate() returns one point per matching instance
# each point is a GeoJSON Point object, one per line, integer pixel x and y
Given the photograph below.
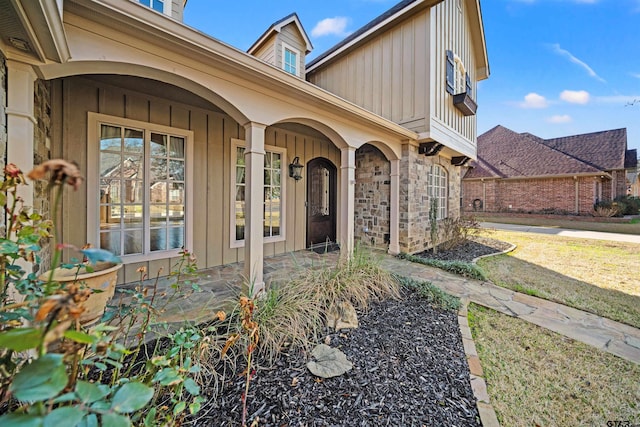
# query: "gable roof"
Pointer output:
{"type": "Point", "coordinates": [390, 17]}
{"type": "Point", "coordinates": [277, 26]}
{"type": "Point", "coordinates": [503, 153]}
{"type": "Point", "coordinates": [605, 150]}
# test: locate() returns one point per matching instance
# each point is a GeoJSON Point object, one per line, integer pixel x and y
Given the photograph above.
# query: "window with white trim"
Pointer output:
{"type": "Point", "coordinates": [273, 209]}
{"type": "Point", "coordinates": [290, 59]}
{"type": "Point", "coordinates": [140, 188]}
{"type": "Point", "coordinates": [438, 188]}
{"type": "Point", "coordinates": [157, 5]}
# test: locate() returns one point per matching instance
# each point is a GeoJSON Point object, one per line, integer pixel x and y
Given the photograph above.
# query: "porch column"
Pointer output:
{"type": "Point", "coordinates": [21, 121]}
{"type": "Point", "coordinates": [254, 206]}
{"type": "Point", "coordinates": [394, 215]}
{"type": "Point", "coordinates": [347, 200]}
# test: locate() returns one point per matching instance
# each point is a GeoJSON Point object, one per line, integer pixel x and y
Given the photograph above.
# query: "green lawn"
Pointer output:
{"type": "Point", "coordinates": [630, 227]}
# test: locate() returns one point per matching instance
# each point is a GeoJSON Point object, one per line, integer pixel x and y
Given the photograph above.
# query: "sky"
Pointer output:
{"type": "Point", "coordinates": [558, 67]}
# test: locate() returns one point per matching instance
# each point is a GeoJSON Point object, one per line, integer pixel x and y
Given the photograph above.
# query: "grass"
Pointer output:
{"type": "Point", "coordinates": [597, 276]}
{"type": "Point", "coordinates": [630, 227]}
{"type": "Point", "coordinates": [538, 378]}
{"type": "Point", "coordinates": [431, 293]}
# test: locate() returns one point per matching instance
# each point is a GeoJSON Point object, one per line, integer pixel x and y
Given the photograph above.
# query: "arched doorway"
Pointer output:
{"type": "Point", "coordinates": [321, 203]}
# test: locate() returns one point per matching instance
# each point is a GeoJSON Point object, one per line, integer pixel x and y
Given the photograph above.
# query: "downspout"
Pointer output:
{"type": "Point", "coordinates": [575, 178]}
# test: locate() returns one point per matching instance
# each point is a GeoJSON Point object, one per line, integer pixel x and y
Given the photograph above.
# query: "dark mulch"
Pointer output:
{"type": "Point", "coordinates": [409, 370]}
{"type": "Point", "coordinates": [468, 251]}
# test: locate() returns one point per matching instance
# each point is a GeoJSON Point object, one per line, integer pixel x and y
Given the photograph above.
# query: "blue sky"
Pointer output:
{"type": "Point", "coordinates": [558, 67]}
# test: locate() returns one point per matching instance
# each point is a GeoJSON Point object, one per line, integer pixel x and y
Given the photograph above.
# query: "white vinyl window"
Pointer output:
{"type": "Point", "coordinates": [461, 75]}
{"type": "Point", "coordinates": [438, 188]}
{"type": "Point", "coordinates": [138, 188]}
{"type": "Point", "coordinates": [273, 190]}
{"type": "Point", "coordinates": [290, 59]}
{"type": "Point", "coordinates": [157, 5]}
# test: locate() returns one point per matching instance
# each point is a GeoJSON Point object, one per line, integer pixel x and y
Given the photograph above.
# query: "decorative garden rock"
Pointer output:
{"type": "Point", "coordinates": [328, 362]}
{"type": "Point", "coordinates": [342, 316]}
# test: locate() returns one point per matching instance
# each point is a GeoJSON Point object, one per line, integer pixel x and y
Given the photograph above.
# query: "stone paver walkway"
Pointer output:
{"type": "Point", "coordinates": [564, 232]}
{"type": "Point", "coordinates": [608, 335]}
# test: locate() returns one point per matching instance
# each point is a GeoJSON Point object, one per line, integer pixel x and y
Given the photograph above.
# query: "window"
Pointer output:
{"type": "Point", "coordinates": [273, 191]}
{"type": "Point", "coordinates": [458, 80]}
{"type": "Point", "coordinates": [290, 59]}
{"type": "Point", "coordinates": [157, 5]}
{"type": "Point", "coordinates": [139, 188]}
{"type": "Point", "coordinates": [438, 188]}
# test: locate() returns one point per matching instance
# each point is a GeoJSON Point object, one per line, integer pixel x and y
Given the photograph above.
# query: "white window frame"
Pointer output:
{"type": "Point", "coordinates": [286, 47]}
{"type": "Point", "coordinates": [95, 120]}
{"type": "Point", "coordinates": [460, 75]}
{"type": "Point", "coordinates": [166, 6]}
{"type": "Point", "coordinates": [235, 143]}
{"type": "Point", "coordinates": [443, 197]}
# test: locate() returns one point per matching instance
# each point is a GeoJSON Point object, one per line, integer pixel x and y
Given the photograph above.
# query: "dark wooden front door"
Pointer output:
{"type": "Point", "coordinates": [321, 202]}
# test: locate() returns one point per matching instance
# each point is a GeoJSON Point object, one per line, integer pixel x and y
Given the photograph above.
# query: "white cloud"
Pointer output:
{"type": "Point", "coordinates": [533, 100]}
{"type": "Point", "coordinates": [575, 96]}
{"type": "Point", "coordinates": [331, 26]}
{"type": "Point", "coordinates": [559, 119]}
{"type": "Point", "coordinates": [636, 75]}
{"type": "Point", "coordinates": [560, 51]}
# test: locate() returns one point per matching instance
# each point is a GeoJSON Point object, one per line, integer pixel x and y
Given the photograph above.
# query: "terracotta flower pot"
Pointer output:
{"type": "Point", "coordinates": [102, 278]}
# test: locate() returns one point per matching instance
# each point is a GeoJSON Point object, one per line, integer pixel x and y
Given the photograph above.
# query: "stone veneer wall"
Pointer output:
{"type": "Point", "coordinates": [372, 197]}
{"type": "Point", "coordinates": [3, 123]}
{"type": "Point", "coordinates": [414, 197]}
{"type": "Point", "coordinates": [42, 153]}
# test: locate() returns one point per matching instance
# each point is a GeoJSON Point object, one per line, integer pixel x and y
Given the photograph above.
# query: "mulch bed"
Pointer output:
{"type": "Point", "coordinates": [468, 251]}
{"type": "Point", "coordinates": [409, 370]}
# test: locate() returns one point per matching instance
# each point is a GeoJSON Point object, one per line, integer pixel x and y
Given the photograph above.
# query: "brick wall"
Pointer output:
{"type": "Point", "coordinates": [414, 197]}
{"type": "Point", "coordinates": [533, 195]}
{"type": "Point", "coordinates": [42, 145]}
{"type": "Point", "coordinates": [620, 183]}
{"type": "Point", "coordinates": [372, 197]}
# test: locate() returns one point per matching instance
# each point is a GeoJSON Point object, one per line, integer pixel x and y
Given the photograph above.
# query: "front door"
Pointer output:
{"type": "Point", "coordinates": [321, 202]}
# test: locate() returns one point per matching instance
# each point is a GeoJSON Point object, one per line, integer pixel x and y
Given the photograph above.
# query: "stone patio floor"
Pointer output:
{"type": "Point", "coordinates": [220, 286]}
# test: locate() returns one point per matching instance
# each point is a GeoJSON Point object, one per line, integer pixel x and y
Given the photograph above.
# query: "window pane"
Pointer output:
{"type": "Point", "coordinates": [176, 193]}
{"type": "Point", "coordinates": [267, 177]}
{"type": "Point", "coordinates": [276, 161]}
{"type": "Point", "coordinates": [240, 171]}
{"type": "Point", "coordinates": [275, 178]}
{"type": "Point", "coordinates": [110, 138]}
{"type": "Point", "coordinates": [158, 5]}
{"type": "Point", "coordinates": [159, 169]}
{"type": "Point", "coordinates": [176, 237]}
{"type": "Point", "coordinates": [110, 242]}
{"type": "Point", "coordinates": [158, 192]}
{"type": "Point", "coordinates": [132, 242]}
{"type": "Point", "coordinates": [133, 191]}
{"type": "Point", "coordinates": [158, 239]}
{"type": "Point", "coordinates": [177, 147]}
{"type": "Point", "coordinates": [158, 145]}
{"type": "Point", "coordinates": [146, 2]}
{"type": "Point", "coordinates": [132, 216]}
{"type": "Point", "coordinates": [133, 141]}
{"type": "Point", "coordinates": [240, 156]}
{"type": "Point", "coordinates": [176, 170]}
{"type": "Point", "coordinates": [267, 159]}
{"type": "Point", "coordinates": [110, 165]}
{"type": "Point", "coordinates": [158, 214]}
{"type": "Point", "coordinates": [176, 214]}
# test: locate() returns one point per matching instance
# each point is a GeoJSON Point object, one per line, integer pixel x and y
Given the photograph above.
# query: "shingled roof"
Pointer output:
{"type": "Point", "coordinates": [503, 153]}
{"type": "Point", "coordinates": [605, 150]}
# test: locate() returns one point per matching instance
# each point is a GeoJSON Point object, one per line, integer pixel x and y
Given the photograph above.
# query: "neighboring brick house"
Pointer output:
{"type": "Point", "coordinates": [521, 172]}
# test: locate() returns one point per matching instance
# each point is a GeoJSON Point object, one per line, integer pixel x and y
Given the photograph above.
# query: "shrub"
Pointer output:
{"type": "Point", "coordinates": [462, 268]}
{"type": "Point", "coordinates": [431, 293]}
{"type": "Point", "coordinates": [608, 209]}
{"type": "Point", "coordinates": [631, 204]}
{"type": "Point", "coordinates": [457, 231]}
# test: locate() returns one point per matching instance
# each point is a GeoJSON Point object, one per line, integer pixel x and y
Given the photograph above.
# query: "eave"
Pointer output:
{"type": "Point", "coordinates": [552, 176]}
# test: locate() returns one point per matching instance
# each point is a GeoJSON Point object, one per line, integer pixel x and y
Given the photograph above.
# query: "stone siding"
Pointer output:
{"type": "Point", "coordinates": [414, 197]}
{"type": "Point", "coordinates": [372, 197]}
{"type": "Point", "coordinates": [42, 153]}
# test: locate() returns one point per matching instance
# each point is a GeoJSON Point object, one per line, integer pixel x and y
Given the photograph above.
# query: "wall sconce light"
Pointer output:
{"type": "Point", "coordinates": [295, 169]}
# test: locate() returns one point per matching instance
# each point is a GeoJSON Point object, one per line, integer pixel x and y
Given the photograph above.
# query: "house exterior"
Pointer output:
{"type": "Point", "coordinates": [186, 141]}
{"type": "Point", "coordinates": [521, 172]}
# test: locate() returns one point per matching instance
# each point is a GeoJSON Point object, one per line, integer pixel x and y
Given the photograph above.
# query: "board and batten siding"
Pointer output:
{"type": "Point", "coordinates": [451, 31]}
{"type": "Point", "coordinates": [213, 131]}
{"type": "Point", "coordinates": [388, 75]}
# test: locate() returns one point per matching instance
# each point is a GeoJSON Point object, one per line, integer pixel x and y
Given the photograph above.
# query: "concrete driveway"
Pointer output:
{"type": "Point", "coordinates": [581, 234]}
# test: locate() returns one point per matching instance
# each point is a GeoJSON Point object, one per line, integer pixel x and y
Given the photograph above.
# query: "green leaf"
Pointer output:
{"type": "Point", "coordinates": [91, 420]}
{"type": "Point", "coordinates": [150, 419]}
{"type": "Point", "coordinates": [114, 420]}
{"type": "Point", "coordinates": [66, 416]}
{"type": "Point", "coordinates": [194, 408]}
{"type": "Point", "coordinates": [21, 339]}
{"type": "Point", "coordinates": [88, 392]}
{"type": "Point", "coordinates": [21, 420]}
{"type": "Point", "coordinates": [192, 387]}
{"type": "Point", "coordinates": [167, 377]}
{"type": "Point", "coordinates": [180, 406]}
{"type": "Point", "coordinates": [8, 247]}
{"type": "Point", "coordinates": [67, 397]}
{"type": "Point", "coordinates": [79, 337]}
{"type": "Point", "coordinates": [42, 379]}
{"type": "Point", "coordinates": [131, 397]}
